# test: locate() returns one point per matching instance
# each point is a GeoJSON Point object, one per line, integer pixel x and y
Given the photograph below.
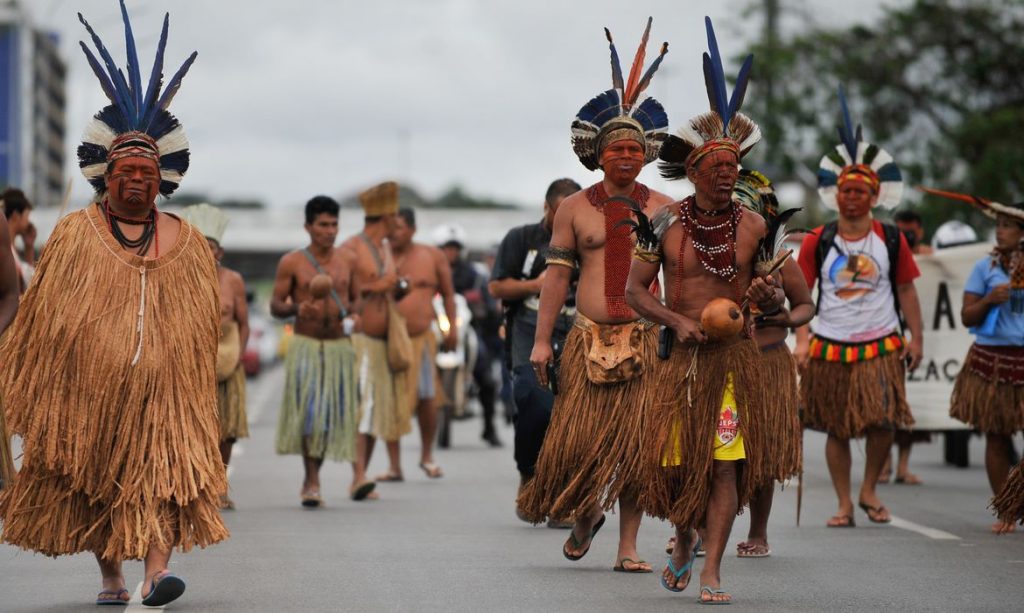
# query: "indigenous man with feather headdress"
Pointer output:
{"type": "Point", "coordinates": [710, 442]}
{"type": "Point", "coordinates": [855, 362]}
{"type": "Point", "coordinates": [988, 394]}
{"type": "Point", "coordinates": [110, 380]}
{"type": "Point", "coordinates": [591, 454]}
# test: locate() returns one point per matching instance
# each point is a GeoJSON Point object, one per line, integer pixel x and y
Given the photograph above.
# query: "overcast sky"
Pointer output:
{"type": "Point", "coordinates": [285, 102]}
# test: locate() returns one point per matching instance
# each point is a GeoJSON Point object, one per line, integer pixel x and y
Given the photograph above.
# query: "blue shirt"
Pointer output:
{"type": "Point", "coordinates": [1010, 326]}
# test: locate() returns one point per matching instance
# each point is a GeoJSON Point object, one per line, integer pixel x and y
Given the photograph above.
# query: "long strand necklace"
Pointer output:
{"type": "Point", "coordinates": [714, 244]}
{"type": "Point", "coordinates": [149, 235]}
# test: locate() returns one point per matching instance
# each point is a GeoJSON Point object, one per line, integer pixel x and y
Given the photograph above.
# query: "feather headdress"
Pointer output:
{"type": "Point", "coordinates": [855, 158]}
{"type": "Point", "coordinates": [754, 191]}
{"type": "Point", "coordinates": [723, 127]}
{"type": "Point", "coordinates": [136, 122]}
{"type": "Point", "coordinates": [209, 220]}
{"type": "Point", "coordinates": [989, 208]}
{"type": "Point", "coordinates": [624, 107]}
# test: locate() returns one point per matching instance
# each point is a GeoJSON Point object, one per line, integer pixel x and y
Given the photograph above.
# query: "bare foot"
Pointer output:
{"type": "Point", "coordinates": [908, 479]}
{"type": "Point", "coordinates": [753, 548]}
{"type": "Point", "coordinates": [1004, 527]}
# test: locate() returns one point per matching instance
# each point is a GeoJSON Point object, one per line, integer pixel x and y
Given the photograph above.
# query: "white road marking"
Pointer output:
{"type": "Point", "coordinates": [135, 604]}
{"type": "Point", "coordinates": [932, 533]}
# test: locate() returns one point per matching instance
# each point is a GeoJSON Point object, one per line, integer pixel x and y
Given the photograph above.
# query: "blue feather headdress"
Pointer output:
{"type": "Point", "coordinates": [722, 127]}
{"type": "Point", "coordinates": [136, 123]}
{"type": "Point", "coordinates": [855, 155]}
{"type": "Point", "coordinates": [622, 108]}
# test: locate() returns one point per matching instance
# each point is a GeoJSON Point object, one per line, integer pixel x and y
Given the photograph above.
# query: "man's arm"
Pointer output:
{"type": "Point", "coordinates": [911, 307]}
{"type": "Point", "coordinates": [516, 289]}
{"type": "Point", "coordinates": [447, 289]}
{"type": "Point", "coordinates": [281, 305]}
{"type": "Point", "coordinates": [641, 275]}
{"type": "Point", "coordinates": [554, 289]}
{"type": "Point", "coordinates": [241, 310]}
{"type": "Point", "coordinates": [801, 306]}
{"type": "Point", "coordinates": [9, 287]}
{"type": "Point", "coordinates": [508, 261]}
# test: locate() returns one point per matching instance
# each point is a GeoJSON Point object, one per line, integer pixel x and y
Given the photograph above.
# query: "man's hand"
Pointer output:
{"type": "Point", "coordinates": [763, 293]}
{"type": "Point", "coordinates": [311, 309]}
{"type": "Point", "coordinates": [999, 294]}
{"type": "Point", "coordinates": [689, 331]}
{"type": "Point", "coordinates": [538, 283]}
{"type": "Point", "coordinates": [915, 351]}
{"type": "Point", "coordinates": [540, 357]}
{"type": "Point", "coordinates": [451, 340]}
{"type": "Point", "coordinates": [779, 319]}
{"type": "Point", "coordinates": [387, 282]}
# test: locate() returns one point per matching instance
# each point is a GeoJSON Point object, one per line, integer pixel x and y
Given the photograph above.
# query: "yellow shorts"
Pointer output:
{"type": "Point", "coordinates": [728, 439]}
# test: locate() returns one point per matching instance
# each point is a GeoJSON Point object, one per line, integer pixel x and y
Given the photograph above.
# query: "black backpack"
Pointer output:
{"type": "Point", "coordinates": [891, 237]}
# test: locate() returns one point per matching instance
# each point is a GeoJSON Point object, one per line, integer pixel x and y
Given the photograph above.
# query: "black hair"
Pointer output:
{"type": "Point", "coordinates": [14, 201]}
{"type": "Point", "coordinates": [907, 216]}
{"type": "Point", "coordinates": [560, 188]}
{"type": "Point", "coordinates": [373, 218]}
{"type": "Point", "coordinates": [321, 204]}
{"type": "Point", "coordinates": [409, 215]}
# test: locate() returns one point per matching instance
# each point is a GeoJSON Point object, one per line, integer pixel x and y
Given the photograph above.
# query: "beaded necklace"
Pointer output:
{"type": "Point", "coordinates": [618, 246]}
{"type": "Point", "coordinates": [148, 237]}
{"type": "Point", "coordinates": [714, 244]}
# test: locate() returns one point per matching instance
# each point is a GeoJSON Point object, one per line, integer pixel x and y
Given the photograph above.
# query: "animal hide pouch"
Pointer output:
{"type": "Point", "coordinates": [613, 351]}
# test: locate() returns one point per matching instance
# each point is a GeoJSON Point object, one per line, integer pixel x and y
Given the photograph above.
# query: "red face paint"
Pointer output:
{"type": "Point", "coordinates": [622, 161]}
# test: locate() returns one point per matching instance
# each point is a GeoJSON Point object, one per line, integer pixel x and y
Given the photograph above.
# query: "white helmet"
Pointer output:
{"type": "Point", "coordinates": [449, 233]}
{"type": "Point", "coordinates": [953, 233]}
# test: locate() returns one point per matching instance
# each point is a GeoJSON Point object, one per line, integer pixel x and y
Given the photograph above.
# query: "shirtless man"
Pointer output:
{"type": "Point", "coordinates": [423, 271]}
{"type": "Point", "coordinates": [234, 335]}
{"type": "Point", "coordinates": [8, 308]}
{"type": "Point", "coordinates": [709, 445]}
{"type": "Point", "coordinates": [320, 406]}
{"type": "Point", "coordinates": [384, 412]}
{"type": "Point", "coordinates": [591, 456]}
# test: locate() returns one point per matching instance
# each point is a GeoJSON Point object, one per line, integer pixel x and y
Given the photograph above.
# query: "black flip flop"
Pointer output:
{"type": "Point", "coordinates": [166, 590]}
{"type": "Point", "coordinates": [877, 510]}
{"type": "Point", "coordinates": [364, 490]}
{"type": "Point", "coordinates": [572, 537]}
{"type": "Point", "coordinates": [117, 602]}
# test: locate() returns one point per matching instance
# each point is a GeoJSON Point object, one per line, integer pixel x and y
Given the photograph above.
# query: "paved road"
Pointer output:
{"type": "Point", "coordinates": [455, 545]}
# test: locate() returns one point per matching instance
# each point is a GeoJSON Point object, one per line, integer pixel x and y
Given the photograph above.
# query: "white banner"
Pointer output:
{"type": "Point", "coordinates": [941, 290]}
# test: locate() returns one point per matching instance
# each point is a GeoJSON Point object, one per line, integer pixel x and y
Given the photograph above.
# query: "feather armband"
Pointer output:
{"type": "Point", "coordinates": [562, 256]}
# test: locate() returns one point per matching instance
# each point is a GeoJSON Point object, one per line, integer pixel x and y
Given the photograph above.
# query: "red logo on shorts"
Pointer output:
{"type": "Point", "coordinates": [728, 426]}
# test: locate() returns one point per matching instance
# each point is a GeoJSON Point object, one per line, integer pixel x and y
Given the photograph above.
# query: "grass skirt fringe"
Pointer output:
{"type": "Point", "coordinates": [320, 399]}
{"type": "Point", "coordinates": [848, 399]}
{"type": "Point", "coordinates": [231, 404]}
{"type": "Point", "coordinates": [385, 408]}
{"type": "Point", "coordinates": [592, 452]}
{"type": "Point", "coordinates": [786, 435]}
{"type": "Point", "coordinates": [118, 421]}
{"type": "Point", "coordinates": [424, 347]}
{"type": "Point", "coordinates": [6, 461]}
{"type": "Point", "coordinates": [1009, 504]}
{"type": "Point", "coordinates": [991, 406]}
{"type": "Point", "coordinates": [680, 451]}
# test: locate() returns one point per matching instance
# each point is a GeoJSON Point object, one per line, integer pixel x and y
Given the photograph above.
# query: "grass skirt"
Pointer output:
{"type": "Point", "coordinates": [320, 399]}
{"type": "Point", "coordinates": [385, 411]}
{"type": "Point", "coordinates": [592, 452]}
{"type": "Point", "coordinates": [779, 368]}
{"type": "Point", "coordinates": [424, 347]}
{"type": "Point", "coordinates": [990, 403]}
{"type": "Point", "coordinates": [1009, 504]}
{"type": "Point", "coordinates": [231, 403]}
{"type": "Point", "coordinates": [117, 412]}
{"type": "Point", "coordinates": [848, 399]}
{"type": "Point", "coordinates": [6, 461]}
{"type": "Point", "coordinates": [679, 453]}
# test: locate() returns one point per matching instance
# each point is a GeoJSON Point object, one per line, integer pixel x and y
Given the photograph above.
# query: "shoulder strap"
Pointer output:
{"type": "Point", "coordinates": [891, 235]}
{"type": "Point", "coordinates": [343, 312]}
{"type": "Point", "coordinates": [374, 252]}
{"type": "Point", "coordinates": [826, 239]}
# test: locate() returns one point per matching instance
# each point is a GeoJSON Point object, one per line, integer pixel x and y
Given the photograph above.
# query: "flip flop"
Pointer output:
{"type": "Point", "coordinates": [389, 478]}
{"type": "Point", "coordinates": [311, 499]}
{"type": "Point", "coordinates": [877, 510]}
{"type": "Point", "coordinates": [166, 590]}
{"type": "Point", "coordinates": [679, 573]}
{"type": "Point", "coordinates": [712, 592]}
{"type": "Point", "coordinates": [621, 566]}
{"type": "Point", "coordinates": [850, 523]}
{"type": "Point", "coordinates": [589, 540]}
{"type": "Point", "coordinates": [909, 479]}
{"type": "Point", "coordinates": [116, 601]}
{"type": "Point", "coordinates": [753, 551]}
{"type": "Point", "coordinates": [701, 552]}
{"type": "Point", "coordinates": [363, 490]}
{"type": "Point", "coordinates": [433, 470]}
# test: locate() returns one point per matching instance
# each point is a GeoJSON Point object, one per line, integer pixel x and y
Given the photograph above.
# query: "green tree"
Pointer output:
{"type": "Point", "coordinates": [935, 82]}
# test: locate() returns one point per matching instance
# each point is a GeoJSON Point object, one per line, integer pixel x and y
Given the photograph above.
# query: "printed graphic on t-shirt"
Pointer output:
{"type": "Point", "coordinates": [854, 275]}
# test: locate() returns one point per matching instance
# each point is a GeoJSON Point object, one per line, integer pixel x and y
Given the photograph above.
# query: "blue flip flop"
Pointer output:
{"type": "Point", "coordinates": [166, 590]}
{"type": "Point", "coordinates": [116, 601]}
{"type": "Point", "coordinates": [679, 573]}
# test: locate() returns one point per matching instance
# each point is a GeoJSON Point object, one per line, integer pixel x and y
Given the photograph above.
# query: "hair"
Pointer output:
{"type": "Point", "coordinates": [560, 188]}
{"type": "Point", "coordinates": [14, 201]}
{"type": "Point", "coordinates": [321, 204]}
{"type": "Point", "coordinates": [907, 216]}
{"type": "Point", "coordinates": [408, 215]}
{"type": "Point", "coordinates": [373, 218]}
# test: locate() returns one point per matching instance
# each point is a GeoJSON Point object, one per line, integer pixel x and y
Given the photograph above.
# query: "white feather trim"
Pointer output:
{"type": "Point", "coordinates": [174, 140]}
{"type": "Point", "coordinates": [99, 133]}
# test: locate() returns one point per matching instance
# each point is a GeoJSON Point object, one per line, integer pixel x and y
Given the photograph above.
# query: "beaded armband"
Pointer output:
{"type": "Point", "coordinates": [651, 256]}
{"type": "Point", "coordinates": [562, 256]}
